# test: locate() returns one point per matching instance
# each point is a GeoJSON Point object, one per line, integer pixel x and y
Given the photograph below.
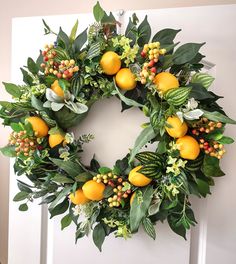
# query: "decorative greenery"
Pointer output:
{"type": "Point", "coordinates": [165, 82]}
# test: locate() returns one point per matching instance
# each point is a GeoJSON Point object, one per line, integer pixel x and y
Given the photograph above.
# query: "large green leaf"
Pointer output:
{"type": "Point", "coordinates": [66, 221]}
{"type": "Point", "coordinates": [99, 236]}
{"type": "Point", "coordinates": [70, 167]}
{"type": "Point", "coordinates": [13, 89]}
{"type": "Point", "coordinates": [98, 12]}
{"type": "Point", "coordinates": [144, 32]}
{"type": "Point", "coordinates": [74, 31]}
{"type": "Point", "coordinates": [211, 167]}
{"type": "Point", "coordinates": [139, 208]}
{"type": "Point", "coordinates": [8, 151]}
{"type": "Point", "coordinates": [59, 209]}
{"type": "Point", "coordinates": [186, 52]}
{"type": "Point", "coordinates": [80, 41]}
{"type": "Point", "coordinates": [64, 192]}
{"type": "Point", "coordinates": [131, 31]}
{"type": "Point", "coordinates": [32, 66]}
{"type": "Point", "coordinates": [20, 196]}
{"type": "Point", "coordinates": [125, 99]}
{"type": "Point", "coordinates": [218, 117]}
{"type": "Point", "coordinates": [166, 36]}
{"type": "Point", "coordinates": [145, 136]}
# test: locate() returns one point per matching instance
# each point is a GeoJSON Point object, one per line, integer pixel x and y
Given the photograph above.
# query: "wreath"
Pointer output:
{"type": "Point", "coordinates": [144, 187]}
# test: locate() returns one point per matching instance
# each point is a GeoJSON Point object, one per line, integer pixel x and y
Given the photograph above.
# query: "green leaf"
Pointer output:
{"type": "Point", "coordinates": [144, 32]}
{"type": "Point", "coordinates": [178, 229]}
{"type": "Point", "coordinates": [23, 207]}
{"type": "Point", "coordinates": [74, 31]}
{"type": "Point", "coordinates": [99, 236]}
{"type": "Point", "coordinates": [139, 208]}
{"type": "Point", "coordinates": [199, 92]}
{"type": "Point", "coordinates": [20, 196]}
{"type": "Point", "coordinates": [145, 136]}
{"type": "Point", "coordinates": [62, 37]}
{"type": "Point", "coordinates": [98, 12]}
{"type": "Point", "coordinates": [8, 151]}
{"type": "Point", "coordinates": [26, 77]}
{"type": "Point", "coordinates": [62, 179]}
{"type": "Point", "coordinates": [13, 89]}
{"type": "Point", "coordinates": [70, 167]}
{"type": "Point", "coordinates": [62, 194]}
{"type": "Point", "coordinates": [218, 117]}
{"type": "Point", "coordinates": [186, 52]}
{"type": "Point", "coordinates": [80, 41]}
{"type": "Point", "coordinates": [104, 170]}
{"type": "Point", "coordinates": [149, 228]}
{"type": "Point", "coordinates": [17, 127]}
{"type": "Point", "coordinates": [203, 78]}
{"type": "Point", "coordinates": [23, 187]}
{"type": "Point", "coordinates": [131, 31]}
{"type": "Point", "coordinates": [59, 209]}
{"type": "Point", "coordinates": [66, 221]}
{"type": "Point", "coordinates": [83, 177]}
{"type": "Point", "coordinates": [211, 167]}
{"type": "Point", "coordinates": [108, 191]}
{"type": "Point", "coordinates": [203, 187]}
{"type": "Point", "coordinates": [124, 99]}
{"type": "Point", "coordinates": [32, 66]}
{"type": "Point", "coordinates": [166, 36]}
{"type": "Point", "coordinates": [226, 140]}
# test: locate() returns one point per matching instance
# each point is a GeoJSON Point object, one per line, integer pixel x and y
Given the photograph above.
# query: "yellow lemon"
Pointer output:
{"type": "Point", "coordinates": [138, 179]}
{"type": "Point", "coordinates": [177, 129]}
{"type": "Point", "coordinates": [55, 139]}
{"type": "Point", "coordinates": [125, 79]}
{"type": "Point", "coordinates": [188, 147]}
{"type": "Point", "coordinates": [57, 88]}
{"type": "Point", "coordinates": [78, 197]}
{"type": "Point", "coordinates": [165, 81]}
{"type": "Point", "coordinates": [110, 63]}
{"type": "Point", "coordinates": [93, 190]}
{"type": "Point", "coordinates": [39, 126]}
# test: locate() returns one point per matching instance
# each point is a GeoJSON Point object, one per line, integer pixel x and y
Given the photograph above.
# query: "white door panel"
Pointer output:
{"type": "Point", "coordinates": [214, 240]}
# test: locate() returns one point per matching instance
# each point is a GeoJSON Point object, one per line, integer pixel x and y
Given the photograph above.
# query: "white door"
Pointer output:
{"type": "Point", "coordinates": [35, 240]}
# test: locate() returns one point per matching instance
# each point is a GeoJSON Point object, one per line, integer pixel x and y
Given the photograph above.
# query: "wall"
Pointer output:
{"type": "Point", "coordinates": [15, 8]}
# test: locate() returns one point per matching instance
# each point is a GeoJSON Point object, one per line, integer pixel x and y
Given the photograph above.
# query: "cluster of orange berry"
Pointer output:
{"type": "Point", "coordinates": [23, 143]}
{"type": "Point", "coordinates": [205, 126]}
{"type": "Point", "coordinates": [63, 69]}
{"type": "Point", "coordinates": [152, 52]}
{"type": "Point", "coordinates": [120, 192]}
{"type": "Point", "coordinates": [214, 149]}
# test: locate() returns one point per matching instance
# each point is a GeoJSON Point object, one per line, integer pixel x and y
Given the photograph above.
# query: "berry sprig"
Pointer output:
{"type": "Point", "coordinates": [61, 69]}
{"type": "Point", "coordinates": [205, 126]}
{"type": "Point", "coordinates": [214, 149]}
{"type": "Point", "coordinates": [23, 144]}
{"type": "Point", "coordinates": [151, 52]}
{"type": "Point", "coordinates": [121, 188]}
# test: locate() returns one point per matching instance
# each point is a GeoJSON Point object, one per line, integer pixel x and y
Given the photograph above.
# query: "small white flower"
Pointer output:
{"type": "Point", "coordinates": [76, 210]}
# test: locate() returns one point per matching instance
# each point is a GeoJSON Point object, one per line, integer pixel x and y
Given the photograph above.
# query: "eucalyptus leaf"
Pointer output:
{"type": "Point", "coordinates": [23, 207]}
{"type": "Point", "coordinates": [63, 194]}
{"type": "Point", "coordinates": [20, 196]}
{"type": "Point", "coordinates": [66, 221]}
{"type": "Point", "coordinates": [36, 103]}
{"type": "Point", "coordinates": [56, 106]}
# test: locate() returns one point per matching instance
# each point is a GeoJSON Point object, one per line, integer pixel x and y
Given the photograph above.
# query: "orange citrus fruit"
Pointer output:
{"type": "Point", "coordinates": [78, 197]}
{"type": "Point", "coordinates": [177, 129]}
{"type": "Point", "coordinates": [55, 139]}
{"type": "Point", "coordinates": [138, 179]}
{"type": "Point", "coordinates": [57, 88]}
{"type": "Point", "coordinates": [165, 81]}
{"type": "Point", "coordinates": [39, 126]}
{"type": "Point", "coordinates": [110, 62]}
{"type": "Point", "coordinates": [188, 147]}
{"type": "Point", "coordinates": [125, 79]}
{"type": "Point", "coordinates": [93, 190]}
